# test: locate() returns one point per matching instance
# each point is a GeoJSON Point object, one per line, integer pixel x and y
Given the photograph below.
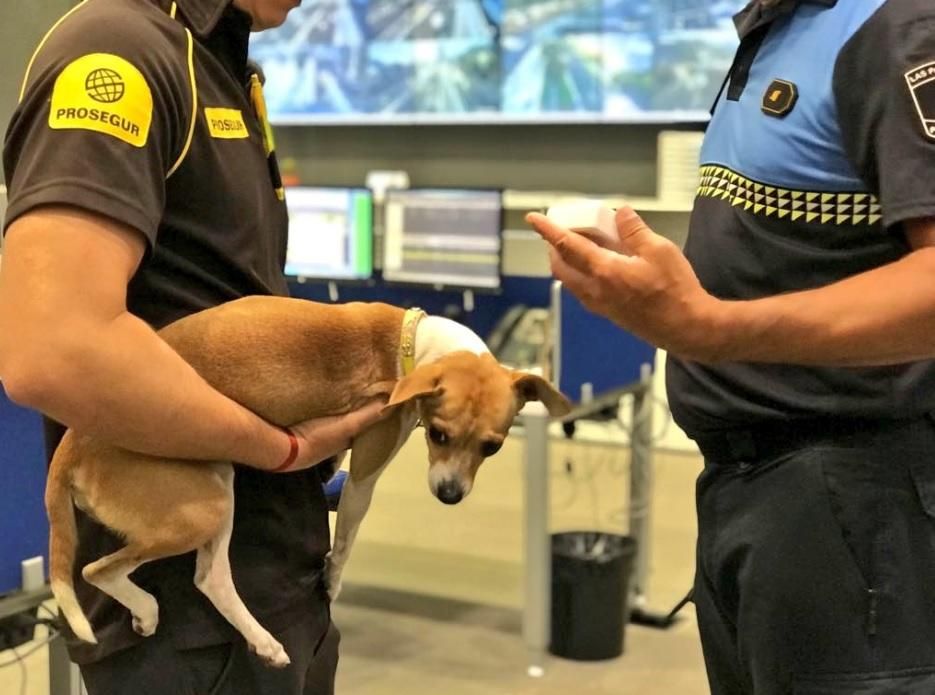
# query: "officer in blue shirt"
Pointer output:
{"type": "Point", "coordinates": [800, 325]}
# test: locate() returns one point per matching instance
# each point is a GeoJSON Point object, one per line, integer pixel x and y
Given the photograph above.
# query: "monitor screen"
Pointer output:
{"type": "Point", "coordinates": [497, 61]}
{"type": "Point", "coordinates": [330, 233]}
{"type": "Point", "coordinates": [443, 237]}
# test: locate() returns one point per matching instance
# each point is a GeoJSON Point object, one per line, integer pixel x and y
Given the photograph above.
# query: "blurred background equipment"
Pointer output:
{"type": "Point", "coordinates": [678, 165]}
{"type": "Point", "coordinates": [380, 181]}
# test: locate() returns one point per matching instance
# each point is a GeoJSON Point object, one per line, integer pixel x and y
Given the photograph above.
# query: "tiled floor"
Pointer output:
{"type": "Point", "coordinates": [438, 613]}
{"type": "Point", "coordinates": [437, 648]}
{"type": "Point", "coordinates": [396, 643]}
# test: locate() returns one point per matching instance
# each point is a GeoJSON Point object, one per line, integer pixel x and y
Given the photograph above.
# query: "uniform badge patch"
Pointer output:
{"type": "Point", "coordinates": [921, 83]}
{"type": "Point", "coordinates": [780, 98]}
{"type": "Point", "coordinates": [103, 93]}
{"type": "Point", "coordinates": [226, 124]}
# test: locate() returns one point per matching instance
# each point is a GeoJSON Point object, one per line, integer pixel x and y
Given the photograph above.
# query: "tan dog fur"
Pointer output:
{"type": "Point", "coordinates": [288, 361]}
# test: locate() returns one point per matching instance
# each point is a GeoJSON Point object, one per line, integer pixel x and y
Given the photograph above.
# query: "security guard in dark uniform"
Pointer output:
{"type": "Point", "coordinates": [801, 332]}
{"type": "Point", "coordinates": [145, 113]}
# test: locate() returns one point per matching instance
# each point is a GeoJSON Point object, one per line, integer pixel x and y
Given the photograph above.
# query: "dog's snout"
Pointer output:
{"type": "Point", "coordinates": [450, 492]}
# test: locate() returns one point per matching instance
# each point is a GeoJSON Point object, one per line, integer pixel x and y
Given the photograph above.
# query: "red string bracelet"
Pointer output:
{"type": "Point", "coordinates": [293, 452]}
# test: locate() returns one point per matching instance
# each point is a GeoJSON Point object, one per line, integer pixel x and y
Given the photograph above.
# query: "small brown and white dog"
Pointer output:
{"type": "Point", "coordinates": [288, 360]}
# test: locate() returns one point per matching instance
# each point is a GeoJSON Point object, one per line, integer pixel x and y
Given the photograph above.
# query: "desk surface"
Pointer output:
{"type": "Point", "coordinates": [20, 601]}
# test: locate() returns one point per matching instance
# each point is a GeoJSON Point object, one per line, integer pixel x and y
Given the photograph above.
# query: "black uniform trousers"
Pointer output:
{"type": "Point", "coordinates": [158, 667]}
{"type": "Point", "coordinates": [816, 559]}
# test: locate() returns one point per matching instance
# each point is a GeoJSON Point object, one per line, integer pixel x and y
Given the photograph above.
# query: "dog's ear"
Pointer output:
{"type": "Point", "coordinates": [422, 383]}
{"type": "Point", "coordinates": [531, 387]}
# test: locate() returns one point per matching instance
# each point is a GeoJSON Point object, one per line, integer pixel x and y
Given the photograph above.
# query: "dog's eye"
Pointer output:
{"type": "Point", "coordinates": [437, 436]}
{"type": "Point", "coordinates": [490, 448]}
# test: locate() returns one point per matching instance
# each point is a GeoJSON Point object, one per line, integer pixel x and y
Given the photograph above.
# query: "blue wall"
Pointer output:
{"type": "Point", "coordinates": [488, 308]}
{"type": "Point", "coordinates": [24, 532]}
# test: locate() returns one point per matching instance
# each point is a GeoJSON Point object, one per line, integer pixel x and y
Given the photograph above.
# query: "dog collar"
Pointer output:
{"type": "Point", "coordinates": [407, 339]}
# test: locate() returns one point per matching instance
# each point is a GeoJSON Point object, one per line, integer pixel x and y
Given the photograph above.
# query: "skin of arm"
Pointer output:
{"type": "Point", "coordinates": [70, 348]}
{"type": "Point", "coordinates": [646, 285]}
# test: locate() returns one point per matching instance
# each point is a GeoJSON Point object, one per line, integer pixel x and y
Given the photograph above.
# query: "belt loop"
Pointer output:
{"type": "Point", "coordinates": [742, 445]}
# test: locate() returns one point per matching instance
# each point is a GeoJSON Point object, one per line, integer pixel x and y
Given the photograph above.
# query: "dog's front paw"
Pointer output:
{"type": "Point", "coordinates": [270, 651]}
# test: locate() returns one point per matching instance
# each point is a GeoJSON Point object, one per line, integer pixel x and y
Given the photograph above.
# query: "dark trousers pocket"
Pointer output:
{"type": "Point", "coordinates": [919, 681]}
{"type": "Point", "coordinates": [156, 667]}
{"type": "Point", "coordinates": [922, 469]}
{"type": "Point", "coordinates": [209, 667]}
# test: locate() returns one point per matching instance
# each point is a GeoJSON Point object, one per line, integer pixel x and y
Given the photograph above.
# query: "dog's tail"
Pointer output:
{"type": "Point", "coordinates": [63, 540]}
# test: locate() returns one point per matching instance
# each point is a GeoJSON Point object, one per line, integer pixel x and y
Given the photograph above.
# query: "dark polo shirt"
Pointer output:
{"type": "Point", "coordinates": [142, 112]}
{"type": "Point", "coordinates": [818, 153]}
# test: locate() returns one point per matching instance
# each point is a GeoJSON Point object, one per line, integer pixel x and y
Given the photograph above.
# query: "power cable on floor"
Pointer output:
{"type": "Point", "coordinates": [24, 679]}
{"type": "Point", "coordinates": [19, 658]}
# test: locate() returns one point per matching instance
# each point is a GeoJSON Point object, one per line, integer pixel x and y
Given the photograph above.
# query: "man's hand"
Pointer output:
{"type": "Point", "coordinates": [879, 317]}
{"type": "Point", "coordinates": [324, 437]}
{"type": "Point", "coordinates": [647, 288]}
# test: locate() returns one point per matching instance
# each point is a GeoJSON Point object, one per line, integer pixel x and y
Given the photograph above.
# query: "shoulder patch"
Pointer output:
{"type": "Point", "coordinates": [921, 81]}
{"type": "Point", "coordinates": [103, 93]}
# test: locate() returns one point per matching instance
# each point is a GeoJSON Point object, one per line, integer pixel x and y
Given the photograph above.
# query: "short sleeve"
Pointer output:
{"type": "Point", "coordinates": [104, 115]}
{"type": "Point", "coordinates": [884, 87]}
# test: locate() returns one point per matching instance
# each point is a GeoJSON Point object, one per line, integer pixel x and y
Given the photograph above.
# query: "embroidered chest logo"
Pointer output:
{"type": "Point", "coordinates": [921, 81]}
{"type": "Point", "coordinates": [103, 93]}
{"type": "Point", "coordinates": [226, 124]}
{"type": "Point", "coordinates": [780, 98]}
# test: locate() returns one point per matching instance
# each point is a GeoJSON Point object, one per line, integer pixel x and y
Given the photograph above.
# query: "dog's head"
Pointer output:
{"type": "Point", "coordinates": [467, 403]}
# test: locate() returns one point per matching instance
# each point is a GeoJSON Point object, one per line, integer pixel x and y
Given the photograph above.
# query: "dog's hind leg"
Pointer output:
{"type": "Point", "coordinates": [370, 454]}
{"type": "Point", "coordinates": [153, 529]}
{"type": "Point", "coordinates": [111, 573]}
{"type": "Point", "coordinates": [213, 578]}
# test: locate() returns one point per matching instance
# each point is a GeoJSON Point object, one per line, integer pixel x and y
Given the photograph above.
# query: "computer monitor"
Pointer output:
{"type": "Point", "coordinates": [330, 233]}
{"type": "Point", "coordinates": [443, 237]}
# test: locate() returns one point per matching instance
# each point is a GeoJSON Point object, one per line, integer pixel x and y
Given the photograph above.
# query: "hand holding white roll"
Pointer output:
{"type": "Point", "coordinates": [590, 218]}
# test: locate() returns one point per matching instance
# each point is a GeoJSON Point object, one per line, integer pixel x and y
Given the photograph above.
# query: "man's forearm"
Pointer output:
{"type": "Point", "coordinates": [69, 347]}
{"type": "Point", "coordinates": [120, 381]}
{"type": "Point", "coordinates": [881, 317]}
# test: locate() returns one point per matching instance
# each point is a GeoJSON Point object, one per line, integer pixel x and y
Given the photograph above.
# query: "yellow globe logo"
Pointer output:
{"type": "Point", "coordinates": [105, 86]}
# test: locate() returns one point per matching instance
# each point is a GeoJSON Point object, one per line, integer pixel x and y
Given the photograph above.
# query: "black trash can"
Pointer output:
{"type": "Point", "coordinates": [591, 575]}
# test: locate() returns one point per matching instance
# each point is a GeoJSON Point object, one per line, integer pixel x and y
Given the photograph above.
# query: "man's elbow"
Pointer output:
{"type": "Point", "coordinates": [22, 383]}
{"type": "Point", "coordinates": [34, 376]}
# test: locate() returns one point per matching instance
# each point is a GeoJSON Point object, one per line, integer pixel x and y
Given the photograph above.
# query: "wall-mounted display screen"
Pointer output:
{"type": "Point", "coordinates": [401, 61]}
